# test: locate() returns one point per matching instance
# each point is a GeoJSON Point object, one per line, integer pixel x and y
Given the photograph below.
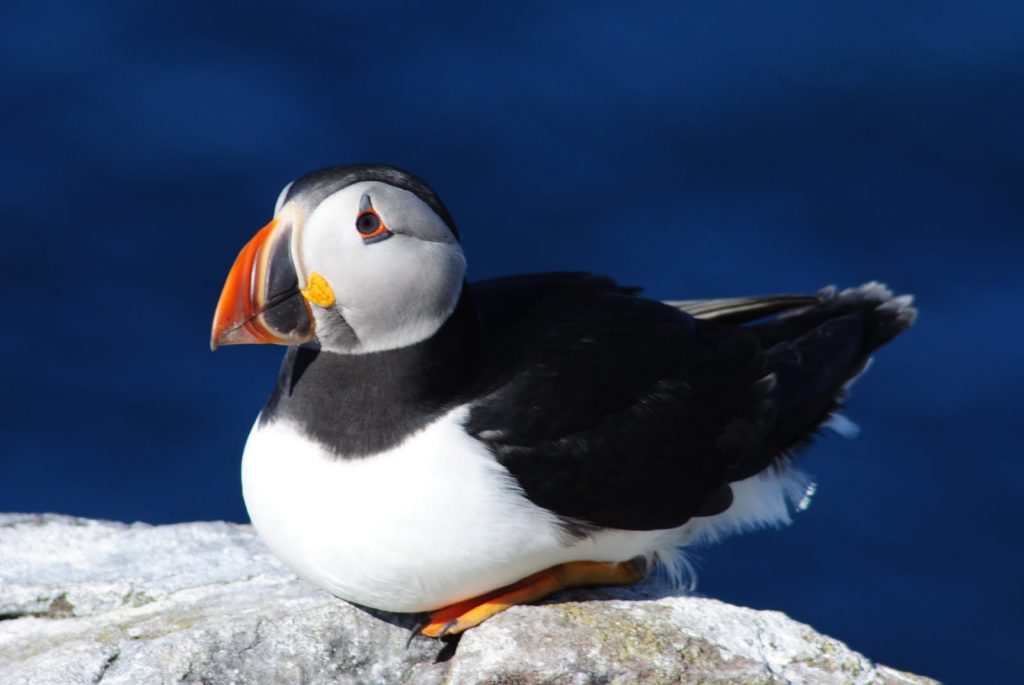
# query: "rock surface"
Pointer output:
{"type": "Point", "coordinates": [85, 601]}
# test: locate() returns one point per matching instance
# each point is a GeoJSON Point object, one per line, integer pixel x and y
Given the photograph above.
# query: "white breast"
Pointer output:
{"type": "Point", "coordinates": [430, 522]}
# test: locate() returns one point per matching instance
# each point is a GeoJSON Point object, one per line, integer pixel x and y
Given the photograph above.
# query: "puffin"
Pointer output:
{"type": "Point", "coordinates": [455, 448]}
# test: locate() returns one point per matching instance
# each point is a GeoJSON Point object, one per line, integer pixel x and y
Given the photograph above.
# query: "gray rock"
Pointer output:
{"type": "Point", "coordinates": [85, 601]}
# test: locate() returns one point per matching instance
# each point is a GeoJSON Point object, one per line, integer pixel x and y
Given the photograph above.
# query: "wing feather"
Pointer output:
{"type": "Point", "coordinates": [744, 309]}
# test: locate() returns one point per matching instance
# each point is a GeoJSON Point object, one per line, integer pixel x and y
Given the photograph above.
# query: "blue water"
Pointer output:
{"type": "Point", "coordinates": [728, 149]}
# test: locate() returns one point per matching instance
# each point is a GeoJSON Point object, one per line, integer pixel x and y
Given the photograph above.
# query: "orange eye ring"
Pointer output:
{"type": "Point", "coordinates": [371, 227]}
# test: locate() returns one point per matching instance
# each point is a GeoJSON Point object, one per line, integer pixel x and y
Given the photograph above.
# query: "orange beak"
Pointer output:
{"type": "Point", "coordinates": [261, 302]}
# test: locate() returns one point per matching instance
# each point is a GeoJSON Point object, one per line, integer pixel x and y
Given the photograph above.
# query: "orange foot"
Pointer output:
{"type": "Point", "coordinates": [472, 612]}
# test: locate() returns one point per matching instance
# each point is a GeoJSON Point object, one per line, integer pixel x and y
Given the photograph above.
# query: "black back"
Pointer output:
{"type": "Point", "coordinates": [608, 409]}
{"type": "Point", "coordinates": [614, 410]}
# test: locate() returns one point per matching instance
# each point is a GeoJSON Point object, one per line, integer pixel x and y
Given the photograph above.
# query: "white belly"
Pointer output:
{"type": "Point", "coordinates": [437, 519]}
{"type": "Point", "coordinates": [430, 522]}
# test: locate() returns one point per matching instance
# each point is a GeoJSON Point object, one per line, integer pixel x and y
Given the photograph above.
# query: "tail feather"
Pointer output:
{"type": "Point", "coordinates": [886, 315]}
{"type": "Point", "coordinates": [818, 351]}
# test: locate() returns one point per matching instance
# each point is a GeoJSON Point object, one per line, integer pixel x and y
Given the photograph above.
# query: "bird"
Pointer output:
{"type": "Point", "coordinates": [454, 448]}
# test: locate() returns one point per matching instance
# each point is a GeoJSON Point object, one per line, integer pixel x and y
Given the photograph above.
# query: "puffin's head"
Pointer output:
{"type": "Point", "coordinates": [357, 259]}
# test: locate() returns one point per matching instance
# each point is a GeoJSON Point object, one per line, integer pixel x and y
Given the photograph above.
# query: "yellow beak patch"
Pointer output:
{"type": "Point", "coordinates": [318, 291]}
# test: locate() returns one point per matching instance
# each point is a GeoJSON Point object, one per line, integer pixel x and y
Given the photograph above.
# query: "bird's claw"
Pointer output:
{"type": "Point", "coordinates": [416, 628]}
{"type": "Point", "coordinates": [447, 627]}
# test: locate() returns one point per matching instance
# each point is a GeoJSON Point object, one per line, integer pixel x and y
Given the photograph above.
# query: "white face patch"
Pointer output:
{"type": "Point", "coordinates": [391, 292]}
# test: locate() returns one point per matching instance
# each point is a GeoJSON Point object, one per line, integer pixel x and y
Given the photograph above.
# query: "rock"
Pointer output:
{"type": "Point", "coordinates": [85, 601]}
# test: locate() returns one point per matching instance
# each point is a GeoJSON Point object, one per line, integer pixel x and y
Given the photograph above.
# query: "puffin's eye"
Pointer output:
{"type": "Point", "coordinates": [367, 223]}
{"type": "Point", "coordinates": [370, 227]}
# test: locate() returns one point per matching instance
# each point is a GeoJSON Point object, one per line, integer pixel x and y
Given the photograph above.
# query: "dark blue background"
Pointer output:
{"type": "Point", "coordinates": [731, 149]}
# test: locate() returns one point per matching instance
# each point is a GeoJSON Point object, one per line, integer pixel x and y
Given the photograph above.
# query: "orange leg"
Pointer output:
{"type": "Point", "coordinates": [471, 612]}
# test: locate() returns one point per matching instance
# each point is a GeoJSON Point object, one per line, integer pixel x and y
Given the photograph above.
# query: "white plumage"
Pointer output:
{"type": "Point", "coordinates": [437, 519]}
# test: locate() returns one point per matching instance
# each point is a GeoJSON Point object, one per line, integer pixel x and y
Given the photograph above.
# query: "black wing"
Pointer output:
{"type": "Point", "coordinates": [617, 411]}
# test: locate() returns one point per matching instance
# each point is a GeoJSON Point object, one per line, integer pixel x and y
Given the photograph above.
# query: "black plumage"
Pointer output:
{"type": "Point", "coordinates": [357, 405]}
{"type": "Point", "coordinates": [609, 409]}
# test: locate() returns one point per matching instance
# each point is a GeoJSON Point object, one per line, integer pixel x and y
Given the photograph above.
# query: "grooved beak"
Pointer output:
{"type": "Point", "coordinates": [260, 302]}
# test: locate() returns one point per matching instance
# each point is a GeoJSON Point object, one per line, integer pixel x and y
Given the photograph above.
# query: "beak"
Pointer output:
{"type": "Point", "coordinates": [261, 302]}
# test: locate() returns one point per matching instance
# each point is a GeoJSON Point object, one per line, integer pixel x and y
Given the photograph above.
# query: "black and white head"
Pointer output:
{"type": "Point", "coordinates": [357, 259]}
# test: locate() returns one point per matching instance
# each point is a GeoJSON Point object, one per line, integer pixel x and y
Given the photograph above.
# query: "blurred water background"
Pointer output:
{"type": "Point", "coordinates": [727, 148]}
